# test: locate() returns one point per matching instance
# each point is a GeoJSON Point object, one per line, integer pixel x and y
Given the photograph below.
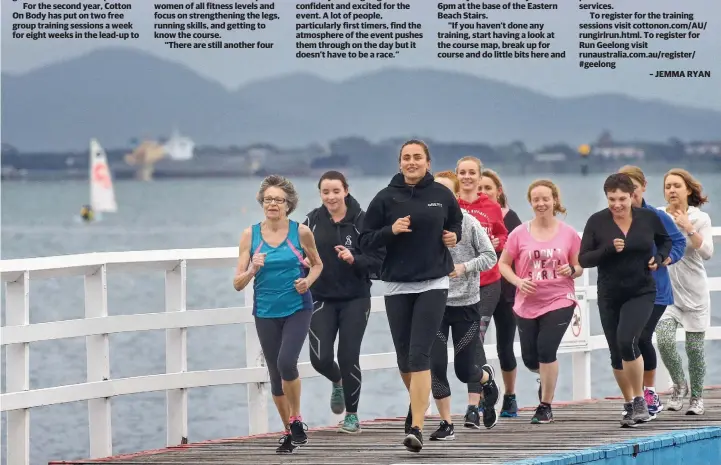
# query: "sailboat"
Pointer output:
{"type": "Point", "coordinates": [102, 194]}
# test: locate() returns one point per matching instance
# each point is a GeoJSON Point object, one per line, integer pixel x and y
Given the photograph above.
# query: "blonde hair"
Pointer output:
{"type": "Point", "coordinates": [695, 194]}
{"type": "Point", "coordinates": [454, 179]}
{"type": "Point", "coordinates": [634, 172]}
{"type": "Point", "coordinates": [502, 199]}
{"type": "Point", "coordinates": [477, 161]}
{"type": "Point", "coordinates": [555, 193]}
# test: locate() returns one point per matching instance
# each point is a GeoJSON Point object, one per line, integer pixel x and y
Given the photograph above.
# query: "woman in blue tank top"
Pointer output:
{"type": "Point", "coordinates": [273, 253]}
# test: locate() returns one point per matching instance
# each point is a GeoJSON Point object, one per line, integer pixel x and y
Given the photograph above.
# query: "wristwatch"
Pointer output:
{"type": "Point", "coordinates": [691, 233]}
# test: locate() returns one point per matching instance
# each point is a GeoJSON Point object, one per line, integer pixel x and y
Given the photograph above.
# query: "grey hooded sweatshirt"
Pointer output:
{"type": "Point", "coordinates": [476, 252]}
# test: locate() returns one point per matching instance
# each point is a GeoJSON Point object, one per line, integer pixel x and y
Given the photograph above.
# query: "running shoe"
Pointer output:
{"type": "Point", "coordinates": [472, 418]}
{"type": "Point", "coordinates": [490, 398]}
{"type": "Point", "coordinates": [445, 432]}
{"type": "Point", "coordinates": [350, 425]}
{"type": "Point", "coordinates": [678, 394]}
{"type": "Point", "coordinates": [695, 406]}
{"type": "Point", "coordinates": [509, 409]}
{"type": "Point", "coordinates": [297, 433]}
{"type": "Point", "coordinates": [286, 445]}
{"type": "Point", "coordinates": [543, 415]}
{"type": "Point", "coordinates": [337, 399]}
{"type": "Point", "coordinates": [414, 440]}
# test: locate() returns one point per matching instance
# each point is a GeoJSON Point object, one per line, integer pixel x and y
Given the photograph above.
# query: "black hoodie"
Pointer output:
{"type": "Point", "coordinates": [339, 280]}
{"type": "Point", "coordinates": [418, 255]}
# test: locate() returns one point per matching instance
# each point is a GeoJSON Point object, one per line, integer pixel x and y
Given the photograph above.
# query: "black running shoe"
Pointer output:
{"type": "Point", "coordinates": [490, 398]}
{"type": "Point", "coordinates": [445, 432]}
{"type": "Point", "coordinates": [409, 421]}
{"type": "Point", "coordinates": [472, 418]}
{"type": "Point", "coordinates": [509, 409]}
{"type": "Point", "coordinates": [286, 445]}
{"type": "Point", "coordinates": [414, 440]}
{"type": "Point", "coordinates": [297, 433]}
{"type": "Point", "coordinates": [543, 414]}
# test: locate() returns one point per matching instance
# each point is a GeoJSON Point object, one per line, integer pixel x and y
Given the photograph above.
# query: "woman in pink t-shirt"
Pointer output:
{"type": "Point", "coordinates": [545, 254]}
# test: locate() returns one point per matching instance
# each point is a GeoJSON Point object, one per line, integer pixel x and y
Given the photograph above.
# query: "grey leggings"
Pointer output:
{"type": "Point", "coordinates": [282, 340]}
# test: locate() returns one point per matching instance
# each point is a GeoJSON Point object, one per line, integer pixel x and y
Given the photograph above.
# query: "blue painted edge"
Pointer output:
{"type": "Point", "coordinates": [619, 449]}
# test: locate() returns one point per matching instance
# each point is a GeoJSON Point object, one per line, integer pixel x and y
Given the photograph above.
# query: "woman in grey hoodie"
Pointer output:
{"type": "Point", "coordinates": [473, 254]}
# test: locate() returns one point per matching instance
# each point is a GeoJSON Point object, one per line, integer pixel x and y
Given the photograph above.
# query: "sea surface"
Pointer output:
{"type": "Point", "coordinates": [38, 219]}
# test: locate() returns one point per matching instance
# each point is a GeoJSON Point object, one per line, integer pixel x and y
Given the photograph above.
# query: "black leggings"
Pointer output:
{"type": "Point", "coordinates": [348, 320]}
{"type": "Point", "coordinates": [462, 322]}
{"type": "Point", "coordinates": [490, 294]}
{"type": "Point", "coordinates": [505, 320]}
{"type": "Point", "coordinates": [540, 337]}
{"type": "Point", "coordinates": [414, 320]}
{"type": "Point", "coordinates": [623, 319]}
{"type": "Point", "coordinates": [648, 351]}
{"type": "Point", "coordinates": [282, 340]}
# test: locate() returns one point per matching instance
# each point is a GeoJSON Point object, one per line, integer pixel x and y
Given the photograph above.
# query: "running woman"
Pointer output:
{"type": "Point", "coordinates": [619, 241]}
{"type": "Point", "coordinates": [270, 252]}
{"type": "Point", "coordinates": [503, 315]}
{"type": "Point", "coordinates": [342, 296]}
{"type": "Point", "coordinates": [416, 220]}
{"type": "Point", "coordinates": [489, 214]}
{"type": "Point", "coordinates": [471, 256]}
{"type": "Point", "coordinates": [664, 294]}
{"type": "Point", "coordinates": [545, 254]}
{"type": "Point", "coordinates": [692, 302]}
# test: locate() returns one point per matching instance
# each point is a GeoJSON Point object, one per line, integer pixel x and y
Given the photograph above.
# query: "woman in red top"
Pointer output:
{"type": "Point", "coordinates": [488, 212]}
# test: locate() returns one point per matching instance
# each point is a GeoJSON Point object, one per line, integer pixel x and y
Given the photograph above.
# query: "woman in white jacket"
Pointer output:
{"type": "Point", "coordinates": [692, 301]}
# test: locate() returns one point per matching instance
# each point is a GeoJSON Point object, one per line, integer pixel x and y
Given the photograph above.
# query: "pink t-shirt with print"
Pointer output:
{"type": "Point", "coordinates": [538, 261]}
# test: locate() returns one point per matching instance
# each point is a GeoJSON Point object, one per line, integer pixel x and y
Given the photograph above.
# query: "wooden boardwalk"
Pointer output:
{"type": "Point", "coordinates": [578, 425]}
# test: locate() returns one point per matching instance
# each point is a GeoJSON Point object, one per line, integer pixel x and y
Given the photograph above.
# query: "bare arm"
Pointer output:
{"type": "Point", "coordinates": [577, 269]}
{"type": "Point", "coordinates": [243, 273]}
{"type": "Point", "coordinates": [504, 266]}
{"type": "Point", "coordinates": [307, 241]}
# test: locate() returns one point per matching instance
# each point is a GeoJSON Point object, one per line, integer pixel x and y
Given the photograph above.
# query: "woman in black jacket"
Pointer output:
{"type": "Point", "coordinates": [342, 297]}
{"type": "Point", "coordinates": [416, 219]}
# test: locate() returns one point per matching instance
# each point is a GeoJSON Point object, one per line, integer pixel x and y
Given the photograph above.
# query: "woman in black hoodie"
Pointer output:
{"type": "Point", "coordinates": [416, 219]}
{"type": "Point", "coordinates": [342, 297]}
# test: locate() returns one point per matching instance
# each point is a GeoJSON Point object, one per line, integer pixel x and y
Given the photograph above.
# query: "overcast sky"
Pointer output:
{"type": "Point", "coordinates": [557, 77]}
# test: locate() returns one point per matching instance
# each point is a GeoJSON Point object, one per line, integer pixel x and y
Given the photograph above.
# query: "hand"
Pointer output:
{"type": "Point", "coordinates": [681, 219]}
{"type": "Point", "coordinates": [344, 254]}
{"type": "Point", "coordinates": [458, 270]}
{"type": "Point", "coordinates": [258, 261]}
{"type": "Point", "coordinates": [652, 265]}
{"type": "Point", "coordinates": [301, 285]}
{"type": "Point", "coordinates": [402, 225]}
{"type": "Point", "coordinates": [565, 270]}
{"type": "Point", "coordinates": [667, 261]}
{"type": "Point", "coordinates": [618, 244]}
{"type": "Point", "coordinates": [526, 286]}
{"type": "Point", "coordinates": [494, 242]}
{"type": "Point", "coordinates": [449, 239]}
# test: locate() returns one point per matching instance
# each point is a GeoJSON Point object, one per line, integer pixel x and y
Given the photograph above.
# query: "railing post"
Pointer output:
{"type": "Point", "coordinates": [17, 367]}
{"type": "Point", "coordinates": [581, 361]}
{"type": "Point", "coordinates": [176, 356]}
{"type": "Point", "coordinates": [257, 392]}
{"type": "Point", "coordinates": [98, 369]}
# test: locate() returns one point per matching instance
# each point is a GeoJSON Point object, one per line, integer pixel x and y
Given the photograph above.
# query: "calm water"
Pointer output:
{"type": "Point", "coordinates": [38, 220]}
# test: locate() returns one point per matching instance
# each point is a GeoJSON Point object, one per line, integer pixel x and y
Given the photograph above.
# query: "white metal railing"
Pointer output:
{"type": "Point", "coordinates": [18, 333]}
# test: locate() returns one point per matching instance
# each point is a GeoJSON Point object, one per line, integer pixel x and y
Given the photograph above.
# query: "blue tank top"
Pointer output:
{"type": "Point", "coordinates": [274, 294]}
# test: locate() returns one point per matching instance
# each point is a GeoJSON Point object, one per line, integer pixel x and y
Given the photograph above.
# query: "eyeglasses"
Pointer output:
{"type": "Point", "coordinates": [276, 200]}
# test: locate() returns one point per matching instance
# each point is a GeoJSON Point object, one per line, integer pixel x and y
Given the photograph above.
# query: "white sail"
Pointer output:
{"type": "Point", "coordinates": [102, 194]}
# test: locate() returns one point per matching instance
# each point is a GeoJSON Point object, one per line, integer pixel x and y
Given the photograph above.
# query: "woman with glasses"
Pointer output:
{"type": "Point", "coordinates": [272, 253]}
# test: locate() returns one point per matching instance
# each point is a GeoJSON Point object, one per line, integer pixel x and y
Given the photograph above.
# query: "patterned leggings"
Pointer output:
{"type": "Point", "coordinates": [666, 337]}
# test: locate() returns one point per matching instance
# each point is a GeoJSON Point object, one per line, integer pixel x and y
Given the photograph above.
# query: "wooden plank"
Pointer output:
{"type": "Point", "coordinates": [577, 426]}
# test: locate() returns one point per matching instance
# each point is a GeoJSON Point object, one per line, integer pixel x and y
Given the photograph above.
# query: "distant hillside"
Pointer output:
{"type": "Point", "coordinates": [119, 94]}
